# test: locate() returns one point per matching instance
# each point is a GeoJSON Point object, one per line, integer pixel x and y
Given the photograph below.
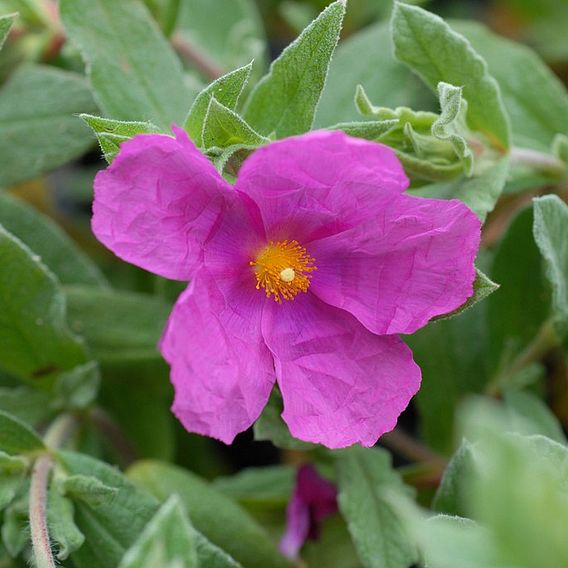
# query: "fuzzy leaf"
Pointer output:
{"type": "Point", "coordinates": [167, 540]}
{"type": "Point", "coordinates": [450, 498]}
{"type": "Point", "coordinates": [230, 528]}
{"type": "Point", "coordinates": [551, 235]}
{"type": "Point", "coordinates": [36, 342]}
{"type": "Point", "coordinates": [5, 25]}
{"type": "Point", "coordinates": [38, 131]}
{"type": "Point", "coordinates": [451, 105]}
{"type": "Point", "coordinates": [226, 90]}
{"type": "Point", "coordinates": [112, 133]}
{"type": "Point", "coordinates": [15, 526]}
{"type": "Point", "coordinates": [431, 48]}
{"type": "Point", "coordinates": [133, 71]}
{"type": "Point", "coordinates": [61, 255]}
{"type": "Point", "coordinates": [224, 128]}
{"type": "Point", "coordinates": [284, 101]}
{"type": "Point", "coordinates": [117, 325]}
{"type": "Point", "coordinates": [535, 99]}
{"type": "Point", "coordinates": [12, 471]}
{"type": "Point", "coordinates": [560, 147]}
{"type": "Point", "coordinates": [76, 389]}
{"type": "Point", "coordinates": [366, 483]}
{"type": "Point", "coordinates": [16, 437]}
{"type": "Point", "coordinates": [62, 528]}
{"type": "Point", "coordinates": [383, 77]}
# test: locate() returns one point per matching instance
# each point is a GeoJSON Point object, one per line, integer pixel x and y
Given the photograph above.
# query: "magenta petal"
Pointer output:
{"type": "Point", "coordinates": [340, 383]}
{"type": "Point", "coordinates": [313, 500]}
{"type": "Point", "coordinates": [413, 262]}
{"type": "Point", "coordinates": [157, 203]}
{"type": "Point", "coordinates": [319, 183]}
{"type": "Point", "coordinates": [221, 370]}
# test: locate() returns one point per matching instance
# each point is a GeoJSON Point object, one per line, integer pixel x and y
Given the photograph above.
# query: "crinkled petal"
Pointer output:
{"type": "Point", "coordinates": [396, 272]}
{"type": "Point", "coordinates": [340, 383]}
{"type": "Point", "coordinates": [221, 370]}
{"type": "Point", "coordinates": [157, 203]}
{"type": "Point", "coordinates": [319, 183]}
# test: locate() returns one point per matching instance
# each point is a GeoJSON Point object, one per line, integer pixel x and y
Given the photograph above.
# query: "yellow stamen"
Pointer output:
{"type": "Point", "coordinates": [283, 270]}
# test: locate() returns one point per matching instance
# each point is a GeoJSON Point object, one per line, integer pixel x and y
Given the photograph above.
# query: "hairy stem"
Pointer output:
{"type": "Point", "coordinates": [540, 161]}
{"type": "Point", "coordinates": [57, 435]}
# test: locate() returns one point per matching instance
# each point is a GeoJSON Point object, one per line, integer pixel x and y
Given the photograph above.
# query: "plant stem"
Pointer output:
{"type": "Point", "coordinates": [113, 433]}
{"type": "Point", "coordinates": [544, 341]}
{"type": "Point", "coordinates": [409, 448]}
{"type": "Point", "coordinates": [540, 161]}
{"type": "Point", "coordinates": [199, 60]}
{"type": "Point", "coordinates": [57, 435]}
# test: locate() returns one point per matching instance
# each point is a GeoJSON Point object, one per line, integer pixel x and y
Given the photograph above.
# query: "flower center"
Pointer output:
{"type": "Point", "coordinates": [283, 270]}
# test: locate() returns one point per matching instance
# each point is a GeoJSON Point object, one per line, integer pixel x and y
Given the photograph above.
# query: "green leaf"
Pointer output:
{"type": "Point", "coordinates": [480, 193]}
{"type": "Point", "coordinates": [230, 39]}
{"type": "Point", "coordinates": [446, 126]}
{"type": "Point", "coordinates": [443, 539]}
{"type": "Point", "coordinates": [535, 99]}
{"type": "Point", "coordinates": [167, 540]}
{"type": "Point", "coordinates": [369, 130]}
{"type": "Point", "coordinates": [36, 342]}
{"type": "Point", "coordinates": [450, 497]}
{"type": "Point", "coordinates": [226, 90]}
{"type": "Point", "coordinates": [30, 405]}
{"type": "Point", "coordinates": [38, 131]}
{"type": "Point", "coordinates": [110, 525]}
{"type": "Point", "coordinates": [12, 471]}
{"type": "Point", "coordinates": [112, 133]}
{"type": "Point", "coordinates": [223, 128]}
{"type": "Point", "coordinates": [15, 526]}
{"type": "Point", "coordinates": [76, 389]}
{"type": "Point", "coordinates": [453, 356]}
{"type": "Point", "coordinates": [366, 483]}
{"type": "Point", "coordinates": [16, 437]}
{"type": "Point", "coordinates": [483, 286]}
{"type": "Point", "coordinates": [133, 71]}
{"type": "Point", "coordinates": [5, 25]}
{"type": "Point", "coordinates": [384, 78]}
{"type": "Point", "coordinates": [62, 528]}
{"type": "Point", "coordinates": [61, 255]}
{"type": "Point", "coordinates": [560, 147]}
{"type": "Point", "coordinates": [510, 328]}
{"type": "Point", "coordinates": [284, 101]}
{"type": "Point", "coordinates": [116, 325]}
{"type": "Point", "coordinates": [271, 427]}
{"type": "Point", "coordinates": [230, 527]}
{"type": "Point", "coordinates": [521, 494]}
{"type": "Point", "coordinates": [551, 235]}
{"type": "Point", "coordinates": [524, 407]}
{"type": "Point", "coordinates": [259, 486]}
{"type": "Point", "coordinates": [88, 489]}
{"type": "Point", "coordinates": [433, 50]}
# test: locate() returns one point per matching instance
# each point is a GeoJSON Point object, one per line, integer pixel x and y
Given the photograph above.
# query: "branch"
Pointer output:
{"type": "Point", "coordinates": [193, 56]}
{"type": "Point", "coordinates": [545, 163]}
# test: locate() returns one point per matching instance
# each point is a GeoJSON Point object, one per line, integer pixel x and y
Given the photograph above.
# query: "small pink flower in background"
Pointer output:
{"type": "Point", "coordinates": [313, 500]}
{"type": "Point", "coordinates": [303, 273]}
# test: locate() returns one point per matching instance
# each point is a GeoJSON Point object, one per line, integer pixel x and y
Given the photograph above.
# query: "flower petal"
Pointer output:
{"type": "Point", "coordinates": [297, 526]}
{"type": "Point", "coordinates": [341, 384]}
{"type": "Point", "coordinates": [319, 183]}
{"type": "Point", "coordinates": [157, 202]}
{"type": "Point", "coordinates": [413, 262]}
{"type": "Point", "coordinates": [220, 368]}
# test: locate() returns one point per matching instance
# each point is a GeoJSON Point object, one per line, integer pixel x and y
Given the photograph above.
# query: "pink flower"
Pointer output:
{"type": "Point", "coordinates": [313, 500]}
{"type": "Point", "coordinates": [303, 273]}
